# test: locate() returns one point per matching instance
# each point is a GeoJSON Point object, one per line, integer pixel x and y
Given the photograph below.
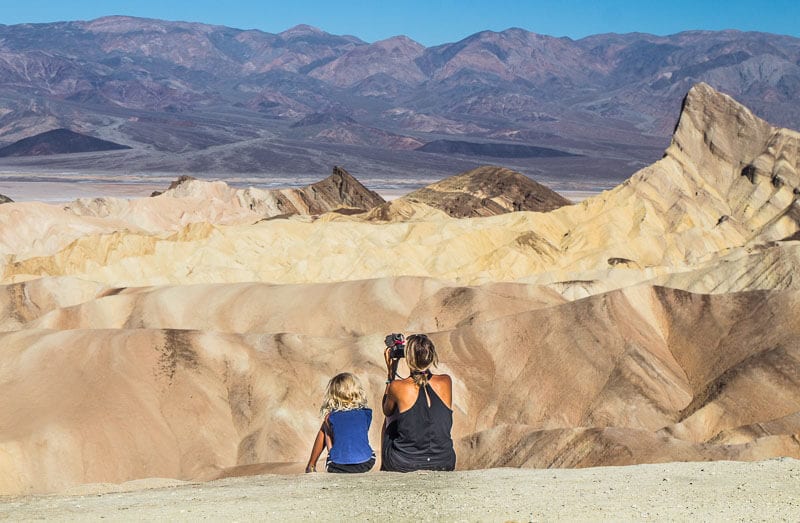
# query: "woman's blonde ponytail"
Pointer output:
{"type": "Point", "coordinates": [420, 355]}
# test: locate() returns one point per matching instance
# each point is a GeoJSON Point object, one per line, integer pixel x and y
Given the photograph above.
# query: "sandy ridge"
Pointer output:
{"type": "Point", "coordinates": [721, 491]}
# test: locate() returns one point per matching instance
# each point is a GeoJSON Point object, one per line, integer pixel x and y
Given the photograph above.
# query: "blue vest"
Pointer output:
{"type": "Point", "coordinates": [350, 430]}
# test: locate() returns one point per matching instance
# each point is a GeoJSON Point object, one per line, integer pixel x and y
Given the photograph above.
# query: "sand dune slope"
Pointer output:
{"type": "Point", "coordinates": [639, 375]}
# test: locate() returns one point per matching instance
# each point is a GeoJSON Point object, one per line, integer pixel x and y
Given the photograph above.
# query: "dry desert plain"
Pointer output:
{"type": "Point", "coordinates": [190, 335]}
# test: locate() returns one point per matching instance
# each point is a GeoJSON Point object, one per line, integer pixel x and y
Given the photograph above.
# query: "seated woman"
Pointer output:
{"type": "Point", "coordinates": [418, 413]}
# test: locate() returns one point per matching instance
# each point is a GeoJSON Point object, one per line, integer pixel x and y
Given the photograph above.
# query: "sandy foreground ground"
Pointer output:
{"type": "Point", "coordinates": [718, 491]}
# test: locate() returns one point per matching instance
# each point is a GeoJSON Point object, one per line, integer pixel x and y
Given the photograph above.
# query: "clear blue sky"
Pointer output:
{"type": "Point", "coordinates": [432, 22]}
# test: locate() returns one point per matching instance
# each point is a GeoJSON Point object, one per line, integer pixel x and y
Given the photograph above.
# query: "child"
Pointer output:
{"type": "Point", "coordinates": [344, 428]}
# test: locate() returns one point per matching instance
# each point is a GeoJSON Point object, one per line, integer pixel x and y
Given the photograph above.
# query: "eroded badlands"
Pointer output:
{"type": "Point", "coordinates": [190, 335]}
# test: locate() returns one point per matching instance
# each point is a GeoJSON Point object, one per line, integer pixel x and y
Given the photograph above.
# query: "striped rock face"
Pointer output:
{"type": "Point", "coordinates": [185, 336]}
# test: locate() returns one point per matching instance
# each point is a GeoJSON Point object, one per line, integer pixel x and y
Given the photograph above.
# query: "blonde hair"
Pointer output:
{"type": "Point", "coordinates": [344, 392]}
{"type": "Point", "coordinates": [420, 355]}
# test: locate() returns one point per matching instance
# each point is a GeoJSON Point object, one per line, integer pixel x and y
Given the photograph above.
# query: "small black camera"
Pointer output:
{"type": "Point", "coordinates": [397, 344]}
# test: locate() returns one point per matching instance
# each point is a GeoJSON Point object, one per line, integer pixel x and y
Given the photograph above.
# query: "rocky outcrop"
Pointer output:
{"type": "Point", "coordinates": [485, 191]}
{"type": "Point", "coordinates": [175, 183]}
{"type": "Point", "coordinates": [190, 200]}
{"type": "Point", "coordinates": [338, 190]}
{"type": "Point", "coordinates": [5, 199]}
{"type": "Point", "coordinates": [186, 210]}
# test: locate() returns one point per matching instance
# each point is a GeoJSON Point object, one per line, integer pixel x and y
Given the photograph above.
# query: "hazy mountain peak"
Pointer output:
{"type": "Point", "coordinates": [518, 31]}
{"type": "Point", "coordinates": [301, 29]}
{"type": "Point", "coordinates": [390, 58]}
{"type": "Point", "coordinates": [315, 35]}
{"type": "Point", "coordinates": [399, 40]}
{"type": "Point", "coordinates": [124, 24]}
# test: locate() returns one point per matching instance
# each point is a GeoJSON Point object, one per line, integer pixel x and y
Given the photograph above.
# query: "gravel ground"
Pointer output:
{"type": "Point", "coordinates": [730, 491]}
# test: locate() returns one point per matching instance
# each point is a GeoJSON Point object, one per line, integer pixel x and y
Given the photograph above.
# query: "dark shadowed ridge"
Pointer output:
{"type": "Point", "coordinates": [58, 141]}
{"type": "Point", "coordinates": [322, 119]}
{"type": "Point", "coordinates": [496, 150]}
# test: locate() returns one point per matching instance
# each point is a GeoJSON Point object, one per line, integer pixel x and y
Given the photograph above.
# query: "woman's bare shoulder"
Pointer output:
{"type": "Point", "coordinates": [401, 385]}
{"type": "Point", "coordinates": [441, 378]}
{"type": "Point", "coordinates": [442, 383]}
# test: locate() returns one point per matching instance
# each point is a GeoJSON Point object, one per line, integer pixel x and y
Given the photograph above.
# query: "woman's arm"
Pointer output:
{"type": "Point", "coordinates": [316, 449]}
{"type": "Point", "coordinates": [389, 402]}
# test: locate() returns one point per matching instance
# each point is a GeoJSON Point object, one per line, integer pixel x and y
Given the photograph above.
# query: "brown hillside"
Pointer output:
{"type": "Point", "coordinates": [485, 191]}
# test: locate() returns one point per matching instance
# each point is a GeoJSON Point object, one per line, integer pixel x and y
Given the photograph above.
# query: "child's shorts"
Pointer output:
{"type": "Point", "coordinates": [366, 466]}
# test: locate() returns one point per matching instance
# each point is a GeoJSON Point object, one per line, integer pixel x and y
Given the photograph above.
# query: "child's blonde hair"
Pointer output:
{"type": "Point", "coordinates": [344, 392]}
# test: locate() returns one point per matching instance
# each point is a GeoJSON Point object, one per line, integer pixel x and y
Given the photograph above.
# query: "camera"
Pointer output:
{"type": "Point", "coordinates": [397, 344]}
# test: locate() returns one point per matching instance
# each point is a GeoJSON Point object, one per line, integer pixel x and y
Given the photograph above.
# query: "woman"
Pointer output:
{"type": "Point", "coordinates": [418, 413]}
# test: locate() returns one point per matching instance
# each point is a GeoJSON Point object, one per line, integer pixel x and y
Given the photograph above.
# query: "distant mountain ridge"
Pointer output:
{"type": "Point", "coordinates": [198, 98]}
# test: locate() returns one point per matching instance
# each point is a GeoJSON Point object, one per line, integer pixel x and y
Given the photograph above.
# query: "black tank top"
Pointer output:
{"type": "Point", "coordinates": [419, 438]}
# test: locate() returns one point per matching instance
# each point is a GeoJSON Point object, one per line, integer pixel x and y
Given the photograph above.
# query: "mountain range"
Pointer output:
{"type": "Point", "coordinates": [195, 98]}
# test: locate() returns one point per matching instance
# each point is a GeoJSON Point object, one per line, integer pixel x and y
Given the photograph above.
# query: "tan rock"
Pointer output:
{"type": "Point", "coordinates": [626, 369]}
{"type": "Point", "coordinates": [485, 191]}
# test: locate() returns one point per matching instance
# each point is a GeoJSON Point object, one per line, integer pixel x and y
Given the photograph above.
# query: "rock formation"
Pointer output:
{"type": "Point", "coordinates": [653, 322]}
{"type": "Point", "coordinates": [484, 191]}
{"type": "Point", "coordinates": [174, 184]}
{"type": "Point", "coordinates": [339, 190]}
{"type": "Point", "coordinates": [190, 200]}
